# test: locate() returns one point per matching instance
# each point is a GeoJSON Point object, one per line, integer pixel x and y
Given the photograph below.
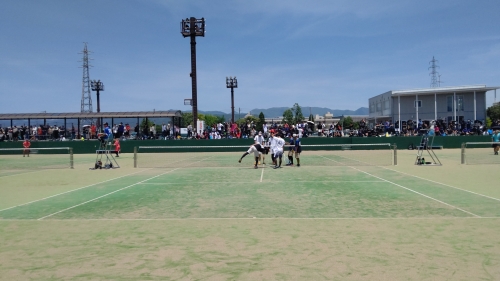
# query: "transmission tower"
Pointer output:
{"type": "Point", "coordinates": [86, 93]}
{"type": "Point", "coordinates": [434, 74]}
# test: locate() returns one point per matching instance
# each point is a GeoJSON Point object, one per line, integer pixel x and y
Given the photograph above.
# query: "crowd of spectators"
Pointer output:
{"type": "Point", "coordinates": [42, 132]}
{"type": "Point", "coordinates": [228, 130]}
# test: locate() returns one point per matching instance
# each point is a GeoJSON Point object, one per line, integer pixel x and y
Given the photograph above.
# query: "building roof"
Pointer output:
{"type": "Point", "coordinates": [88, 115]}
{"type": "Point", "coordinates": [443, 90]}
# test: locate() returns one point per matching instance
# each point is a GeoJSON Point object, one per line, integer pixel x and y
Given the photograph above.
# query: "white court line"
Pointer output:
{"type": "Point", "coordinates": [77, 189]}
{"type": "Point", "coordinates": [70, 191]}
{"type": "Point", "coordinates": [115, 191]}
{"type": "Point", "coordinates": [232, 182]}
{"type": "Point", "coordinates": [409, 189]}
{"type": "Point", "coordinates": [252, 218]}
{"type": "Point", "coordinates": [479, 194]}
{"type": "Point", "coordinates": [261, 175]}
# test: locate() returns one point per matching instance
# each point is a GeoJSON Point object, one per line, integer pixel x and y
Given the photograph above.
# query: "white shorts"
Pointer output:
{"type": "Point", "coordinates": [253, 150]}
{"type": "Point", "coordinates": [278, 153]}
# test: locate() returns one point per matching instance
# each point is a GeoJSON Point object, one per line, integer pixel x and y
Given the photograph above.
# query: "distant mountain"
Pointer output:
{"type": "Point", "coordinates": [276, 112]}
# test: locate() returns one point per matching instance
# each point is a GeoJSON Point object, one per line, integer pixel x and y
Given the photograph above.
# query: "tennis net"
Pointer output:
{"type": "Point", "coordinates": [477, 153]}
{"type": "Point", "coordinates": [383, 154]}
{"type": "Point", "coordinates": [37, 158]}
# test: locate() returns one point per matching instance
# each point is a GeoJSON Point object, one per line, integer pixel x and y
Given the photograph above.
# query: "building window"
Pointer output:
{"type": "Point", "coordinates": [460, 103]}
{"type": "Point", "coordinates": [450, 105]}
{"type": "Point", "coordinates": [372, 108]}
{"type": "Point", "coordinates": [387, 104]}
{"type": "Point", "coordinates": [417, 103]}
{"type": "Point", "coordinates": [379, 106]}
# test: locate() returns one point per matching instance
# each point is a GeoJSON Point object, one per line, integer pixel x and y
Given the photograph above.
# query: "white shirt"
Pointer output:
{"type": "Point", "coordinates": [259, 139]}
{"type": "Point", "coordinates": [280, 143]}
{"type": "Point", "coordinates": [272, 143]}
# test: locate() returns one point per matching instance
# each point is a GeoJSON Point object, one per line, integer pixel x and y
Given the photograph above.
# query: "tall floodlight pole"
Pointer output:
{"type": "Point", "coordinates": [192, 27]}
{"type": "Point", "coordinates": [97, 86]}
{"type": "Point", "coordinates": [232, 83]}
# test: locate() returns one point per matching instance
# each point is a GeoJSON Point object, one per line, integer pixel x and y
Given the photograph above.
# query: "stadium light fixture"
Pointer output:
{"type": "Point", "coordinates": [192, 27]}
{"type": "Point", "coordinates": [232, 83]}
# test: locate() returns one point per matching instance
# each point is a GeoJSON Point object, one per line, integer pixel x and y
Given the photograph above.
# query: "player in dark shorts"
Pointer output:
{"type": "Point", "coordinates": [256, 149]}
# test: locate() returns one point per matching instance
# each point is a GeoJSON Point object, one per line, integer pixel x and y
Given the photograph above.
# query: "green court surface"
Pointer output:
{"type": "Point", "coordinates": [204, 216]}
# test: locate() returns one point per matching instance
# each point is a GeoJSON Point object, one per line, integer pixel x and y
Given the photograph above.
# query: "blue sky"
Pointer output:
{"type": "Point", "coordinates": [321, 53]}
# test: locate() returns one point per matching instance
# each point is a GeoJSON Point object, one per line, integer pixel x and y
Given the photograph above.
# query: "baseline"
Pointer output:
{"type": "Point", "coordinates": [263, 218]}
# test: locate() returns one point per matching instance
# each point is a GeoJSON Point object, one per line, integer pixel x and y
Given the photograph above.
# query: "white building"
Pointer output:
{"type": "Point", "coordinates": [443, 103]}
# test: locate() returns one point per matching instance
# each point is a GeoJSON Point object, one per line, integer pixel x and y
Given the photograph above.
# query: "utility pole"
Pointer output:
{"type": "Point", "coordinates": [86, 103]}
{"type": "Point", "coordinates": [434, 74]}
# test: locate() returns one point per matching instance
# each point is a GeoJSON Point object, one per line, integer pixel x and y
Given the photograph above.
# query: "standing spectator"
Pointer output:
{"type": "Point", "coordinates": [121, 130]}
{"type": "Point", "coordinates": [93, 131]}
{"type": "Point", "coordinates": [152, 131]}
{"type": "Point", "coordinates": [73, 132]}
{"type": "Point", "coordinates": [26, 145]}
{"type": "Point", "coordinates": [136, 131]}
{"type": "Point", "coordinates": [496, 139]}
{"type": "Point", "coordinates": [164, 130]}
{"type": "Point", "coordinates": [117, 146]}
{"type": "Point", "coordinates": [55, 133]}
{"type": "Point", "coordinates": [127, 130]}
{"type": "Point", "coordinates": [39, 132]}
{"type": "Point", "coordinates": [15, 134]}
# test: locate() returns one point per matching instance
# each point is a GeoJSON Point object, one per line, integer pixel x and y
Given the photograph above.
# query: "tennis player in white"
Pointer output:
{"type": "Point", "coordinates": [278, 150]}
{"type": "Point", "coordinates": [272, 144]}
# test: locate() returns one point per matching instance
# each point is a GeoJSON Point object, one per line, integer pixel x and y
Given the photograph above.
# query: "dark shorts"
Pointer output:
{"type": "Point", "coordinates": [495, 145]}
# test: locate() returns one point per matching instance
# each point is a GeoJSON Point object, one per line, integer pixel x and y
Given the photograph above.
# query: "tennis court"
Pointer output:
{"type": "Point", "coordinates": [204, 216]}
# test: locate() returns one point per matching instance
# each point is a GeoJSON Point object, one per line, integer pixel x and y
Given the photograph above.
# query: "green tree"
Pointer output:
{"type": "Point", "coordinates": [260, 123]}
{"type": "Point", "coordinates": [187, 118]}
{"type": "Point", "coordinates": [210, 120]}
{"type": "Point", "coordinates": [488, 122]}
{"type": "Point", "coordinates": [494, 112]}
{"type": "Point", "coordinates": [288, 117]}
{"type": "Point", "coordinates": [146, 123]}
{"type": "Point", "coordinates": [247, 119]}
{"type": "Point", "coordinates": [346, 122]}
{"type": "Point", "coordinates": [297, 112]}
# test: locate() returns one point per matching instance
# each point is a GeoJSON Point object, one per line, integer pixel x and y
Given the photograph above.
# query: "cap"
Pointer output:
{"type": "Point", "coordinates": [294, 135]}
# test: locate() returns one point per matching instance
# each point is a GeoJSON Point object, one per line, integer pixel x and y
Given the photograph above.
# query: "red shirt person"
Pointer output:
{"type": "Point", "coordinates": [117, 146]}
{"type": "Point", "coordinates": [26, 145]}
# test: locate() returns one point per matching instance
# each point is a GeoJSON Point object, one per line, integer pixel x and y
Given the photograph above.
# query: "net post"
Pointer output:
{"type": "Point", "coordinates": [135, 156]}
{"type": "Point", "coordinates": [71, 160]}
{"type": "Point", "coordinates": [395, 153]}
{"type": "Point", "coordinates": [462, 158]}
